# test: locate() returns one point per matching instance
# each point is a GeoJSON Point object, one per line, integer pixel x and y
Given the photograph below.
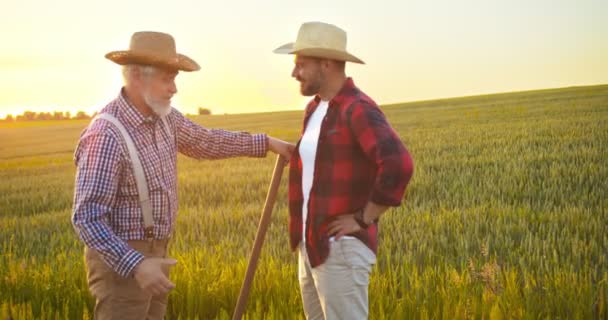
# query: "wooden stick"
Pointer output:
{"type": "Point", "coordinates": [259, 238]}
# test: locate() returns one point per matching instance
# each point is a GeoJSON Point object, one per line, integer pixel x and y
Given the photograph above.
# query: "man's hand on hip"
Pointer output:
{"type": "Point", "coordinates": [343, 225]}
{"type": "Point", "coordinates": [150, 276]}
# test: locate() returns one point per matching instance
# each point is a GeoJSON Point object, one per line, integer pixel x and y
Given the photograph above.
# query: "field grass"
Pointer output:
{"type": "Point", "coordinates": [506, 217]}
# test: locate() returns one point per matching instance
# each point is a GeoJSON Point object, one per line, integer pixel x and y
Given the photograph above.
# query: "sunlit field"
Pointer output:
{"type": "Point", "coordinates": [506, 217]}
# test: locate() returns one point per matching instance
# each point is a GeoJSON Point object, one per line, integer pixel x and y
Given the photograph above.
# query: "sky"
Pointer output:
{"type": "Point", "coordinates": [52, 52]}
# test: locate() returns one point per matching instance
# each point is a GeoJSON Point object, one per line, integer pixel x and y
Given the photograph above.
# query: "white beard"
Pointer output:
{"type": "Point", "coordinates": [161, 109]}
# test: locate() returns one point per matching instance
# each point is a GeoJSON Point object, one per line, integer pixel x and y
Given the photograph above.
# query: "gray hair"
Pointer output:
{"type": "Point", "coordinates": [129, 69]}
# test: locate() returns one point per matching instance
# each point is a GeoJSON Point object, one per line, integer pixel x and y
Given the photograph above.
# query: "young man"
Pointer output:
{"type": "Point", "coordinates": [125, 201]}
{"type": "Point", "coordinates": [348, 168]}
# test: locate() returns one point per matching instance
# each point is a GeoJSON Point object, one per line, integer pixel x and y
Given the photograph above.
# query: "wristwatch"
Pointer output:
{"type": "Point", "coordinates": [360, 220]}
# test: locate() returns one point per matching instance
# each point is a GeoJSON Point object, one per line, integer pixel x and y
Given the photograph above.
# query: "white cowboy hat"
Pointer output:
{"type": "Point", "coordinates": [155, 49]}
{"type": "Point", "coordinates": [321, 40]}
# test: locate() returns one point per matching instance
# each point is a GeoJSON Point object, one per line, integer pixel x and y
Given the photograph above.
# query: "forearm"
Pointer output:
{"type": "Point", "coordinates": [199, 142]}
{"type": "Point", "coordinates": [220, 144]}
{"type": "Point", "coordinates": [372, 212]}
{"type": "Point", "coordinates": [99, 236]}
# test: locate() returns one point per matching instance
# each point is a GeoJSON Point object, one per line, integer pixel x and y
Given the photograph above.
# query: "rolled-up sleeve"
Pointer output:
{"type": "Point", "coordinates": [98, 161]}
{"type": "Point", "coordinates": [199, 142]}
{"type": "Point", "coordinates": [382, 145]}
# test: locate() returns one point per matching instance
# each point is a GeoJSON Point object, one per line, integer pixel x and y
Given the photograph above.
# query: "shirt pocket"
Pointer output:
{"type": "Point", "coordinates": [332, 135]}
{"type": "Point", "coordinates": [359, 258]}
{"type": "Point", "coordinates": [335, 144]}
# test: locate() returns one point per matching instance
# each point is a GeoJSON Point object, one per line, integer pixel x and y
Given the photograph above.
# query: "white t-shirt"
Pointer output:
{"type": "Point", "coordinates": [308, 153]}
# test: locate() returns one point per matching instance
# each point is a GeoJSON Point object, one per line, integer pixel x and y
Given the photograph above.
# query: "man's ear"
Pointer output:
{"type": "Point", "coordinates": [325, 63]}
{"type": "Point", "coordinates": [138, 77]}
{"type": "Point", "coordinates": [137, 74]}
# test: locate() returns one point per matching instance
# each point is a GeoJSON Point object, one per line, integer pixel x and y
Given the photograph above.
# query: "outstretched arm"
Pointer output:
{"type": "Point", "coordinates": [199, 142]}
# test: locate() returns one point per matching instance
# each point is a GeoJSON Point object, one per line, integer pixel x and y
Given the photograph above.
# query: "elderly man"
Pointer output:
{"type": "Point", "coordinates": [125, 201]}
{"type": "Point", "coordinates": [348, 168]}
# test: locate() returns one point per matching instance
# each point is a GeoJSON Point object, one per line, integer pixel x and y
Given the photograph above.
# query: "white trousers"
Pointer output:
{"type": "Point", "coordinates": [337, 289]}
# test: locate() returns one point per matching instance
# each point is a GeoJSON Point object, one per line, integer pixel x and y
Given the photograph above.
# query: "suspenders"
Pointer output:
{"type": "Point", "coordinates": [140, 178]}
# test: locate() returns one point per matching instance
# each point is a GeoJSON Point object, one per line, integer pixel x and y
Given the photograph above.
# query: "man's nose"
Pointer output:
{"type": "Point", "coordinates": [173, 88]}
{"type": "Point", "coordinates": [294, 72]}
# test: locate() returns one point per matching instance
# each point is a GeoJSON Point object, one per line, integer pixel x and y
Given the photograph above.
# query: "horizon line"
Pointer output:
{"type": "Point", "coordinates": [87, 110]}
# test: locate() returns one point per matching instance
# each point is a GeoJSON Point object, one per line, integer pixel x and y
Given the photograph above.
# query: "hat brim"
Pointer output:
{"type": "Point", "coordinates": [318, 53]}
{"type": "Point", "coordinates": [181, 62]}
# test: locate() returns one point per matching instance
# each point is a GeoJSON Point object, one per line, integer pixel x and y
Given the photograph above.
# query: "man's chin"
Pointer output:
{"type": "Point", "coordinates": [306, 92]}
{"type": "Point", "coordinates": [162, 110]}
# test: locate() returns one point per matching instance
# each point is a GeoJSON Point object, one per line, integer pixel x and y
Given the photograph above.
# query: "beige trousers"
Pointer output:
{"type": "Point", "coordinates": [337, 289]}
{"type": "Point", "coordinates": [117, 297]}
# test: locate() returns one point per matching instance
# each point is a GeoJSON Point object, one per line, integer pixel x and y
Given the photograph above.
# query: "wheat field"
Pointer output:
{"type": "Point", "coordinates": [506, 217]}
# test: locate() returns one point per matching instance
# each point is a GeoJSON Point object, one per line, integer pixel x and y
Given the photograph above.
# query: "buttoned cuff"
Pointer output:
{"type": "Point", "coordinates": [382, 199]}
{"type": "Point", "coordinates": [128, 262]}
{"type": "Point", "coordinates": [260, 145]}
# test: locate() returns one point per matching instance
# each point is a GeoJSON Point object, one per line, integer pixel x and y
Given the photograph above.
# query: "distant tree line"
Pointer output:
{"type": "Point", "coordinates": [57, 115]}
{"type": "Point", "coordinates": [38, 116]}
{"type": "Point", "coordinates": [204, 111]}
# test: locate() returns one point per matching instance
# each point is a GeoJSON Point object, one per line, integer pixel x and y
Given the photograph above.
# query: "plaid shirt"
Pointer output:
{"type": "Point", "coordinates": [106, 209]}
{"type": "Point", "coordinates": [359, 159]}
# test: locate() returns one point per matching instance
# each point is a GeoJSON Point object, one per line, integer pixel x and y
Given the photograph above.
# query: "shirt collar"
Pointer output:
{"type": "Point", "coordinates": [347, 90]}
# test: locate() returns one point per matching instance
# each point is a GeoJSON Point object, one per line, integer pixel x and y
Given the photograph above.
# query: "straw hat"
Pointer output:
{"type": "Point", "coordinates": [153, 48]}
{"type": "Point", "coordinates": [321, 40]}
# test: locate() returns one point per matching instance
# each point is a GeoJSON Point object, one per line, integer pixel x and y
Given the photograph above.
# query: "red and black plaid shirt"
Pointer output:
{"type": "Point", "coordinates": [359, 159]}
